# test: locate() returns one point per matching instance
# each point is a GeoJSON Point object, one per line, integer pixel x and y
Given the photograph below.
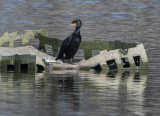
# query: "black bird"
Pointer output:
{"type": "Point", "coordinates": [70, 45]}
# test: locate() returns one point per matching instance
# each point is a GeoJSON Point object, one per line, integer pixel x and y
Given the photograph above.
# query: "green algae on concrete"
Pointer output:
{"type": "Point", "coordinates": [44, 40]}
{"type": "Point", "coordinates": [5, 61]}
{"type": "Point", "coordinates": [55, 43]}
{"type": "Point", "coordinates": [87, 46]}
{"type": "Point", "coordinates": [28, 34]}
{"type": "Point", "coordinates": [28, 60]}
{"type": "Point", "coordinates": [17, 61]}
{"type": "Point", "coordinates": [136, 58]}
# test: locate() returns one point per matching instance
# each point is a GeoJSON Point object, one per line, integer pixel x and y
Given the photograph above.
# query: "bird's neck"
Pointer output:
{"type": "Point", "coordinates": [77, 30]}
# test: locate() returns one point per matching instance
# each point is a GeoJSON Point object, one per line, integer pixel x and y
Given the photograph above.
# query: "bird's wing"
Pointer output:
{"type": "Point", "coordinates": [65, 43]}
{"type": "Point", "coordinates": [64, 46]}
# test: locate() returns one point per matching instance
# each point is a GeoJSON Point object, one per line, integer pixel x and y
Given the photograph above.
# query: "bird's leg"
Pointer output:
{"type": "Point", "coordinates": [63, 57]}
{"type": "Point", "coordinates": [71, 60]}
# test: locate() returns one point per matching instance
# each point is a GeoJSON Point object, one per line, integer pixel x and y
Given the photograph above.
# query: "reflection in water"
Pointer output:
{"type": "Point", "coordinates": [124, 87]}
{"type": "Point", "coordinates": [73, 92]}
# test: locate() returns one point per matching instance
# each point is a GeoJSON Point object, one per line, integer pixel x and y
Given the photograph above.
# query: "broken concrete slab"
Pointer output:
{"type": "Point", "coordinates": [96, 54]}
{"type": "Point", "coordinates": [23, 55]}
{"type": "Point", "coordinates": [113, 59]}
{"type": "Point", "coordinates": [136, 58]}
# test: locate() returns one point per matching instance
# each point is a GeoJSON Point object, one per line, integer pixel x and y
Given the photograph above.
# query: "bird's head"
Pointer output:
{"type": "Point", "coordinates": [76, 23]}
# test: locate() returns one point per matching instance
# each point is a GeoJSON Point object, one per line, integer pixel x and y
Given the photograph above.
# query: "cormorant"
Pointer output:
{"type": "Point", "coordinates": [70, 45]}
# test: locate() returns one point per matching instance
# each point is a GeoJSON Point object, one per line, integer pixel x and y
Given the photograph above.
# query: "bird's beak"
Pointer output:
{"type": "Point", "coordinates": [73, 25]}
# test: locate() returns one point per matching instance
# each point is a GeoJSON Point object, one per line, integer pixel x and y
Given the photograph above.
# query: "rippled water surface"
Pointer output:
{"type": "Point", "coordinates": [72, 93]}
{"type": "Point", "coordinates": [76, 93]}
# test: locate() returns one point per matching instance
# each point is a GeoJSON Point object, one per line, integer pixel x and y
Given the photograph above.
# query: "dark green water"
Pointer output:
{"type": "Point", "coordinates": [76, 93]}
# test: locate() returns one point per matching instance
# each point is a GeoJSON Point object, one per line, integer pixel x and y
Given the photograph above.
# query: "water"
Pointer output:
{"type": "Point", "coordinates": [70, 93]}
{"type": "Point", "coordinates": [74, 93]}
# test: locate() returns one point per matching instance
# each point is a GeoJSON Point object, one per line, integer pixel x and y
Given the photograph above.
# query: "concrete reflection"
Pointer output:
{"type": "Point", "coordinates": [23, 92]}
{"type": "Point", "coordinates": [120, 90]}
{"type": "Point", "coordinates": [128, 85]}
{"type": "Point", "coordinates": [73, 92]}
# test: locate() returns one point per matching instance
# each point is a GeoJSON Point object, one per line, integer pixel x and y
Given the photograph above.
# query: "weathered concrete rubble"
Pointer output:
{"type": "Point", "coordinates": [40, 40]}
{"type": "Point", "coordinates": [86, 49]}
{"type": "Point", "coordinates": [27, 55]}
{"type": "Point", "coordinates": [134, 58]}
{"type": "Point", "coordinates": [96, 55]}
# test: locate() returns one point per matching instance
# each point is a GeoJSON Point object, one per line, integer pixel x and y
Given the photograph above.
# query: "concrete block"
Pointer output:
{"type": "Point", "coordinates": [134, 58]}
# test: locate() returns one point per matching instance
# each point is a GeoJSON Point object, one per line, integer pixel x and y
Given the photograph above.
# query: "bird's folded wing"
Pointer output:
{"type": "Point", "coordinates": [66, 43]}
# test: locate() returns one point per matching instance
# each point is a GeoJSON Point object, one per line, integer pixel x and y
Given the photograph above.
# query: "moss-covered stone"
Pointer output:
{"type": "Point", "coordinates": [17, 61]}
{"type": "Point", "coordinates": [29, 34]}
{"type": "Point", "coordinates": [6, 60]}
{"type": "Point", "coordinates": [87, 46]}
{"type": "Point", "coordinates": [55, 43]}
{"type": "Point", "coordinates": [42, 34]}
